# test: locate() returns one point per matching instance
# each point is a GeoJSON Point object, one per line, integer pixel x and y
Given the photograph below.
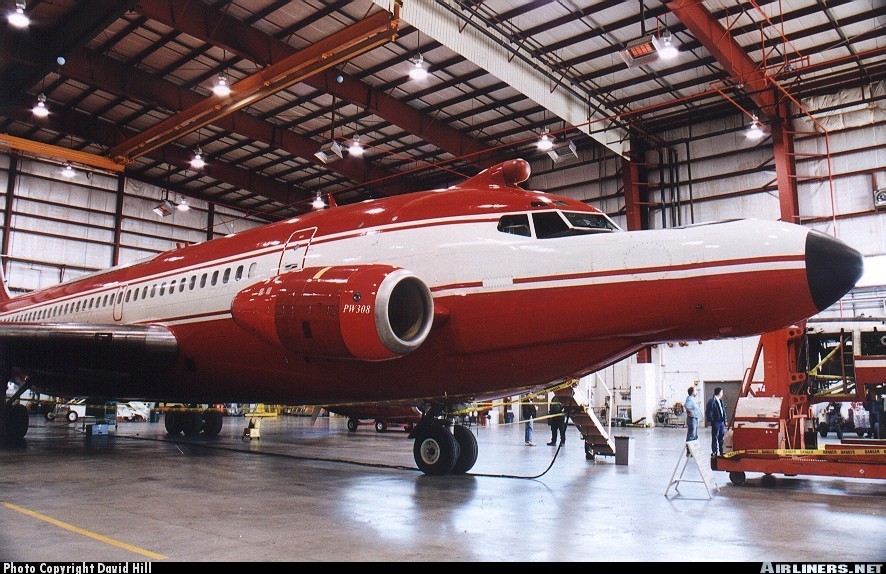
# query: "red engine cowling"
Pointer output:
{"type": "Point", "coordinates": [368, 312]}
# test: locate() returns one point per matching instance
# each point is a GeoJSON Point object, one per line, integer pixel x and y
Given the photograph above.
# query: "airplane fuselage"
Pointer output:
{"type": "Point", "coordinates": [513, 307]}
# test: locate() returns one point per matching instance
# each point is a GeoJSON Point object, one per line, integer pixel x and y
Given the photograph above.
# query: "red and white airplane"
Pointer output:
{"type": "Point", "coordinates": [431, 299]}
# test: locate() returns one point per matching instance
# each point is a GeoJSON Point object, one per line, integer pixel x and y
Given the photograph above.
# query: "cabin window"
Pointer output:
{"type": "Point", "coordinates": [214, 278]}
{"type": "Point", "coordinates": [145, 292]}
{"type": "Point", "coordinates": [77, 308]}
{"type": "Point", "coordinates": [252, 269]}
{"type": "Point", "coordinates": [239, 275]}
{"type": "Point", "coordinates": [162, 288]}
{"type": "Point", "coordinates": [119, 297]}
{"type": "Point", "coordinates": [192, 282]}
{"type": "Point", "coordinates": [549, 224]}
{"type": "Point", "coordinates": [181, 285]}
{"type": "Point", "coordinates": [105, 301]}
{"type": "Point", "coordinates": [153, 290]}
{"type": "Point", "coordinates": [128, 296]}
{"type": "Point", "coordinates": [203, 281]}
{"type": "Point", "coordinates": [172, 287]}
{"type": "Point", "coordinates": [515, 224]}
{"type": "Point", "coordinates": [227, 275]}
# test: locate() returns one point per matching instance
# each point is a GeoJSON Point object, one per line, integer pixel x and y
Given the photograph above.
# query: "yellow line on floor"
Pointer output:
{"type": "Point", "coordinates": [87, 533]}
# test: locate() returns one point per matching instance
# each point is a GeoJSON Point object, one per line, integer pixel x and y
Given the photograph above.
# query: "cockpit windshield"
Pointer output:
{"type": "Point", "coordinates": [589, 222]}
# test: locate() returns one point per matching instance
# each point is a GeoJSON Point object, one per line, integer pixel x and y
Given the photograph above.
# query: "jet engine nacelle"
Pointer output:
{"type": "Point", "coordinates": [368, 312]}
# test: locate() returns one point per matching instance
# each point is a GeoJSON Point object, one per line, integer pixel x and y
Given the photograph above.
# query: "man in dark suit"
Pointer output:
{"type": "Point", "coordinates": [715, 413]}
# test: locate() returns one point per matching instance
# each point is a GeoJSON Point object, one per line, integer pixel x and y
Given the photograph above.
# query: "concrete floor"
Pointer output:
{"type": "Point", "coordinates": [319, 493]}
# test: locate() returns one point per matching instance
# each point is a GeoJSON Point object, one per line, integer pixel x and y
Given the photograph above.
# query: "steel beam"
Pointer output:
{"type": "Point", "coordinates": [785, 167]}
{"type": "Point", "coordinates": [113, 76]}
{"type": "Point", "coordinates": [107, 135]}
{"type": "Point", "coordinates": [489, 48]}
{"type": "Point", "coordinates": [29, 55]}
{"type": "Point", "coordinates": [720, 43]}
{"type": "Point", "coordinates": [214, 26]}
{"type": "Point", "coordinates": [356, 39]}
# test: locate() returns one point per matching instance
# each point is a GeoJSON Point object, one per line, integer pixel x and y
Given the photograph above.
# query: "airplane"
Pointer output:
{"type": "Point", "coordinates": [431, 299]}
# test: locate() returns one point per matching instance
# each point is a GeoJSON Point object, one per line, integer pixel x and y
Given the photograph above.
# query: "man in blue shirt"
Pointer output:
{"type": "Point", "coordinates": [691, 415]}
{"type": "Point", "coordinates": [715, 413]}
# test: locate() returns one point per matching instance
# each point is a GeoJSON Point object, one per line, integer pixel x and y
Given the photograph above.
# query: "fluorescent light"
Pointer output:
{"type": "Point", "coordinates": [221, 87]}
{"type": "Point", "coordinates": [418, 70]}
{"type": "Point", "coordinates": [68, 171]}
{"type": "Point", "coordinates": [198, 162]}
{"type": "Point", "coordinates": [18, 18]}
{"type": "Point", "coordinates": [330, 151]}
{"type": "Point", "coordinates": [40, 110]}
{"type": "Point", "coordinates": [164, 208]}
{"type": "Point", "coordinates": [545, 142]}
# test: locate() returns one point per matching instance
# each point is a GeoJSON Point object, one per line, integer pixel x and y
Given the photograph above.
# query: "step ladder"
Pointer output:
{"type": "Point", "coordinates": [597, 439]}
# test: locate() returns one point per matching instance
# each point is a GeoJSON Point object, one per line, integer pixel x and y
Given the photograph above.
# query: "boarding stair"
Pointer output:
{"type": "Point", "coordinates": [594, 433]}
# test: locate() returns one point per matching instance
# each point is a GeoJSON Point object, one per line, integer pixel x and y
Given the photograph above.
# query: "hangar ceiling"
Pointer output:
{"type": "Point", "coordinates": [133, 69]}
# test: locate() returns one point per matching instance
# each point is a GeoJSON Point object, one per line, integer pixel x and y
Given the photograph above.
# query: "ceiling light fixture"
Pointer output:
{"type": "Point", "coordinates": [198, 162]}
{"type": "Point", "coordinates": [755, 130]}
{"type": "Point", "coordinates": [318, 202]}
{"type": "Point", "coordinates": [221, 87]}
{"type": "Point", "coordinates": [164, 208]}
{"type": "Point", "coordinates": [356, 148]}
{"type": "Point", "coordinates": [183, 204]}
{"type": "Point", "coordinates": [330, 151]}
{"type": "Point", "coordinates": [68, 171]}
{"type": "Point", "coordinates": [665, 47]}
{"type": "Point", "coordinates": [563, 151]}
{"type": "Point", "coordinates": [18, 18]}
{"type": "Point", "coordinates": [40, 110]}
{"type": "Point", "coordinates": [418, 71]}
{"type": "Point", "coordinates": [545, 142]}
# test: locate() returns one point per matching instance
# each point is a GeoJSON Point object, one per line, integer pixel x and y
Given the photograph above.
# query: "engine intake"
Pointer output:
{"type": "Point", "coordinates": [367, 312]}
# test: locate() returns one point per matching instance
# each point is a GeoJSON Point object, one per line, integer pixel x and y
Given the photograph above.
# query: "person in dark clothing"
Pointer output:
{"type": "Point", "coordinates": [715, 413]}
{"type": "Point", "coordinates": [528, 412]}
{"type": "Point", "coordinates": [557, 422]}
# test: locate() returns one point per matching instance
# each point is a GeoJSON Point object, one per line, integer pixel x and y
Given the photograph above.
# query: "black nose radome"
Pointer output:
{"type": "Point", "coordinates": [832, 268]}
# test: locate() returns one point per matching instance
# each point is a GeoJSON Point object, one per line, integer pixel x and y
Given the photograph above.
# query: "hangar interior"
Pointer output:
{"type": "Point", "coordinates": [767, 110]}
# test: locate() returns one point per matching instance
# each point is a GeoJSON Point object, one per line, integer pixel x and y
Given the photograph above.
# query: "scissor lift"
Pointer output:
{"type": "Point", "coordinates": [773, 430]}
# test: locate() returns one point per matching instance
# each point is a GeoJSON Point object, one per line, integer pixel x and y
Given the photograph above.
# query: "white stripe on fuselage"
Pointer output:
{"type": "Point", "coordinates": [453, 251]}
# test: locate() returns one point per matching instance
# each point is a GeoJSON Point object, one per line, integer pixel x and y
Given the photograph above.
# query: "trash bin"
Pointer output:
{"type": "Point", "coordinates": [623, 454]}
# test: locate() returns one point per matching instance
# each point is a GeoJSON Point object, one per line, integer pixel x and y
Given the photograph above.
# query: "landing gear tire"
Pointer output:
{"type": "Point", "coordinates": [467, 449]}
{"type": "Point", "coordinates": [72, 416]}
{"type": "Point", "coordinates": [381, 426]}
{"type": "Point", "coordinates": [50, 416]}
{"type": "Point", "coordinates": [19, 420]}
{"type": "Point", "coordinates": [823, 430]}
{"type": "Point", "coordinates": [737, 478]}
{"type": "Point", "coordinates": [213, 422]}
{"type": "Point", "coordinates": [767, 480]}
{"type": "Point", "coordinates": [435, 450]}
{"type": "Point", "coordinates": [193, 423]}
{"type": "Point", "coordinates": [174, 422]}
{"type": "Point", "coordinates": [352, 425]}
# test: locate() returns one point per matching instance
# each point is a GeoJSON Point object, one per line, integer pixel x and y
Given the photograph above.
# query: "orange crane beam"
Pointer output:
{"type": "Point", "coordinates": [369, 33]}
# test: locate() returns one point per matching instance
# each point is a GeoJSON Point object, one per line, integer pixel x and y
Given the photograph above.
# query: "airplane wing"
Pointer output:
{"type": "Point", "coordinates": [57, 355]}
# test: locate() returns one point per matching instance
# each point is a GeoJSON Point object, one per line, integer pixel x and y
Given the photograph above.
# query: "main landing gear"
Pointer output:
{"type": "Point", "coordinates": [14, 416]}
{"type": "Point", "coordinates": [441, 448]}
{"type": "Point", "coordinates": [193, 421]}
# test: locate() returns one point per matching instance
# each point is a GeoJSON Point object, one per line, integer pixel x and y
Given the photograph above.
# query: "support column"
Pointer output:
{"type": "Point", "coordinates": [118, 220]}
{"type": "Point", "coordinates": [785, 166]}
{"type": "Point", "coordinates": [210, 222]}
{"type": "Point", "coordinates": [11, 183]}
{"type": "Point", "coordinates": [630, 173]}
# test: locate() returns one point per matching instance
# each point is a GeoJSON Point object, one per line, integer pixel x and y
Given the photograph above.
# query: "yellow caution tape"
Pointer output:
{"type": "Point", "coordinates": [809, 452]}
